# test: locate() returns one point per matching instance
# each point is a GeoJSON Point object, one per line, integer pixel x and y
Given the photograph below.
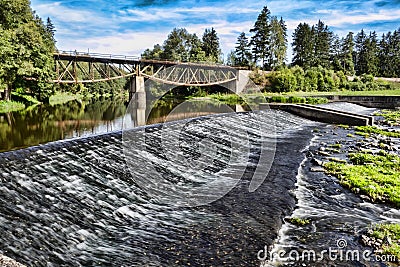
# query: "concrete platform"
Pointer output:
{"type": "Point", "coordinates": [390, 102]}
{"type": "Point", "coordinates": [370, 118]}
{"type": "Point", "coordinates": [325, 115]}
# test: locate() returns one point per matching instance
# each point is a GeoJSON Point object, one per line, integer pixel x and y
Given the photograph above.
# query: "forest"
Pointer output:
{"type": "Point", "coordinates": [26, 50]}
{"type": "Point", "coordinates": [27, 45]}
{"type": "Point", "coordinates": [266, 46]}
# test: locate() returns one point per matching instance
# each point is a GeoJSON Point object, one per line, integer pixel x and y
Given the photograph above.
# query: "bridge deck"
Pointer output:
{"type": "Point", "coordinates": [132, 60]}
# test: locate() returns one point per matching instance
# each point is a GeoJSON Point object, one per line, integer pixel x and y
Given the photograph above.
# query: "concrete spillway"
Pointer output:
{"type": "Point", "coordinates": [321, 114]}
{"type": "Point", "coordinates": [368, 101]}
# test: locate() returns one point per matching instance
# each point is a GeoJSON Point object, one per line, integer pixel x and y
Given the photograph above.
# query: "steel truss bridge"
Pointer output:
{"type": "Point", "coordinates": [79, 67]}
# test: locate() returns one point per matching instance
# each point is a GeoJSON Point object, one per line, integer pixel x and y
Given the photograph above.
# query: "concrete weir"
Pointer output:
{"type": "Point", "coordinates": [368, 101]}
{"type": "Point", "coordinates": [321, 114]}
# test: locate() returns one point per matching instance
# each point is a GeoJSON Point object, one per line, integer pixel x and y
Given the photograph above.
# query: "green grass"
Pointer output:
{"type": "Point", "coordinates": [345, 93]}
{"type": "Point", "coordinates": [61, 98]}
{"type": "Point", "coordinates": [366, 130]}
{"type": "Point", "coordinates": [298, 221]}
{"type": "Point", "coordinates": [10, 106]}
{"type": "Point", "coordinates": [296, 99]}
{"type": "Point", "coordinates": [392, 116]}
{"type": "Point", "coordinates": [27, 99]}
{"type": "Point", "coordinates": [344, 126]}
{"type": "Point", "coordinates": [374, 175]}
{"type": "Point", "coordinates": [335, 145]}
{"type": "Point", "coordinates": [230, 99]}
{"type": "Point", "coordinates": [392, 231]}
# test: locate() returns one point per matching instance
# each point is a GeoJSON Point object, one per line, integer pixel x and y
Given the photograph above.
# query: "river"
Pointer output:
{"type": "Point", "coordinates": [85, 201]}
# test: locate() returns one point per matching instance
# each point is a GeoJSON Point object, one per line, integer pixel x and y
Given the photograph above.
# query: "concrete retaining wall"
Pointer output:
{"type": "Point", "coordinates": [319, 114]}
{"type": "Point", "coordinates": [368, 101]}
{"type": "Point", "coordinates": [370, 118]}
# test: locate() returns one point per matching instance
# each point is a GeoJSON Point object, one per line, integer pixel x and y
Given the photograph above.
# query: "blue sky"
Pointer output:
{"type": "Point", "coordinates": [130, 26]}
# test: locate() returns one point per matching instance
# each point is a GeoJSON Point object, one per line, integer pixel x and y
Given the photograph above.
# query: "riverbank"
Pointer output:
{"type": "Point", "coordinates": [371, 170]}
{"type": "Point", "coordinates": [21, 102]}
{"type": "Point", "coordinates": [330, 213]}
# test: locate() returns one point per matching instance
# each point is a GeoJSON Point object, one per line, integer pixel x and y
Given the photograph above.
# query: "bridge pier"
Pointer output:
{"type": "Point", "coordinates": [137, 86]}
{"type": "Point", "coordinates": [137, 95]}
{"type": "Point", "coordinates": [239, 85]}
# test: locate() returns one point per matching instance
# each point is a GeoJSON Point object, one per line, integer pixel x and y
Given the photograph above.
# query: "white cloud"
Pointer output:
{"type": "Point", "coordinates": [339, 19]}
{"type": "Point", "coordinates": [335, 18]}
{"type": "Point", "coordinates": [148, 15]}
{"type": "Point", "coordinates": [130, 43]}
{"type": "Point", "coordinates": [61, 13]}
{"type": "Point", "coordinates": [102, 31]}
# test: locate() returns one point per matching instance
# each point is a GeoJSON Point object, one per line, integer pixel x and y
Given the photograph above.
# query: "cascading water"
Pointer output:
{"type": "Point", "coordinates": [76, 202]}
{"type": "Point", "coordinates": [337, 216]}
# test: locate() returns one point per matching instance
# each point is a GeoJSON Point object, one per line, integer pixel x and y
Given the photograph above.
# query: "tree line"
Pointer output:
{"type": "Point", "coordinates": [266, 45]}
{"type": "Point", "coordinates": [316, 45]}
{"type": "Point", "coordinates": [361, 53]}
{"type": "Point", "coordinates": [181, 45]}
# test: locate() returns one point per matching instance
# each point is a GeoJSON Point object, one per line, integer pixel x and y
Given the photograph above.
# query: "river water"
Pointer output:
{"type": "Point", "coordinates": [84, 201]}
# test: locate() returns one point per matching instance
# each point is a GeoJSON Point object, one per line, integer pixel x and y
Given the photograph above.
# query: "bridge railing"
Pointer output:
{"type": "Point", "coordinates": [136, 58]}
{"type": "Point", "coordinates": [97, 55]}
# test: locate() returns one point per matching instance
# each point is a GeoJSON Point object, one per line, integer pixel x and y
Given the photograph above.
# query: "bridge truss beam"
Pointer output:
{"type": "Point", "coordinates": [74, 67]}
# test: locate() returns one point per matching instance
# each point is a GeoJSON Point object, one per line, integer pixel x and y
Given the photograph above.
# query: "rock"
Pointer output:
{"type": "Point", "coordinates": [317, 169]}
{"type": "Point", "coordinates": [317, 162]}
{"type": "Point", "coordinates": [8, 262]}
{"type": "Point", "coordinates": [322, 148]}
{"type": "Point", "coordinates": [324, 153]}
{"type": "Point", "coordinates": [387, 240]}
{"type": "Point", "coordinates": [364, 197]}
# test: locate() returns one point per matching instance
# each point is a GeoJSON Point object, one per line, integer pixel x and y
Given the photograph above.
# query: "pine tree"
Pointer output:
{"type": "Point", "coordinates": [278, 43]}
{"type": "Point", "coordinates": [260, 39]}
{"type": "Point", "coordinates": [360, 55]}
{"type": "Point", "coordinates": [347, 52]}
{"type": "Point", "coordinates": [51, 29]}
{"type": "Point", "coordinates": [323, 38]}
{"type": "Point", "coordinates": [242, 53]}
{"type": "Point", "coordinates": [303, 43]}
{"type": "Point", "coordinates": [211, 45]}
{"type": "Point", "coordinates": [372, 51]}
{"type": "Point", "coordinates": [395, 48]}
{"type": "Point", "coordinates": [384, 56]}
{"type": "Point", "coordinates": [336, 53]}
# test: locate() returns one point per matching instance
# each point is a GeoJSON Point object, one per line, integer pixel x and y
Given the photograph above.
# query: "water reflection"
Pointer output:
{"type": "Point", "coordinates": [46, 123]}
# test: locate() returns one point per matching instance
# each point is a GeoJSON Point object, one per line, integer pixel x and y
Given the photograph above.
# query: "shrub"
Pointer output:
{"type": "Point", "coordinates": [365, 78]}
{"type": "Point", "coordinates": [296, 99]}
{"type": "Point", "coordinates": [283, 81]}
